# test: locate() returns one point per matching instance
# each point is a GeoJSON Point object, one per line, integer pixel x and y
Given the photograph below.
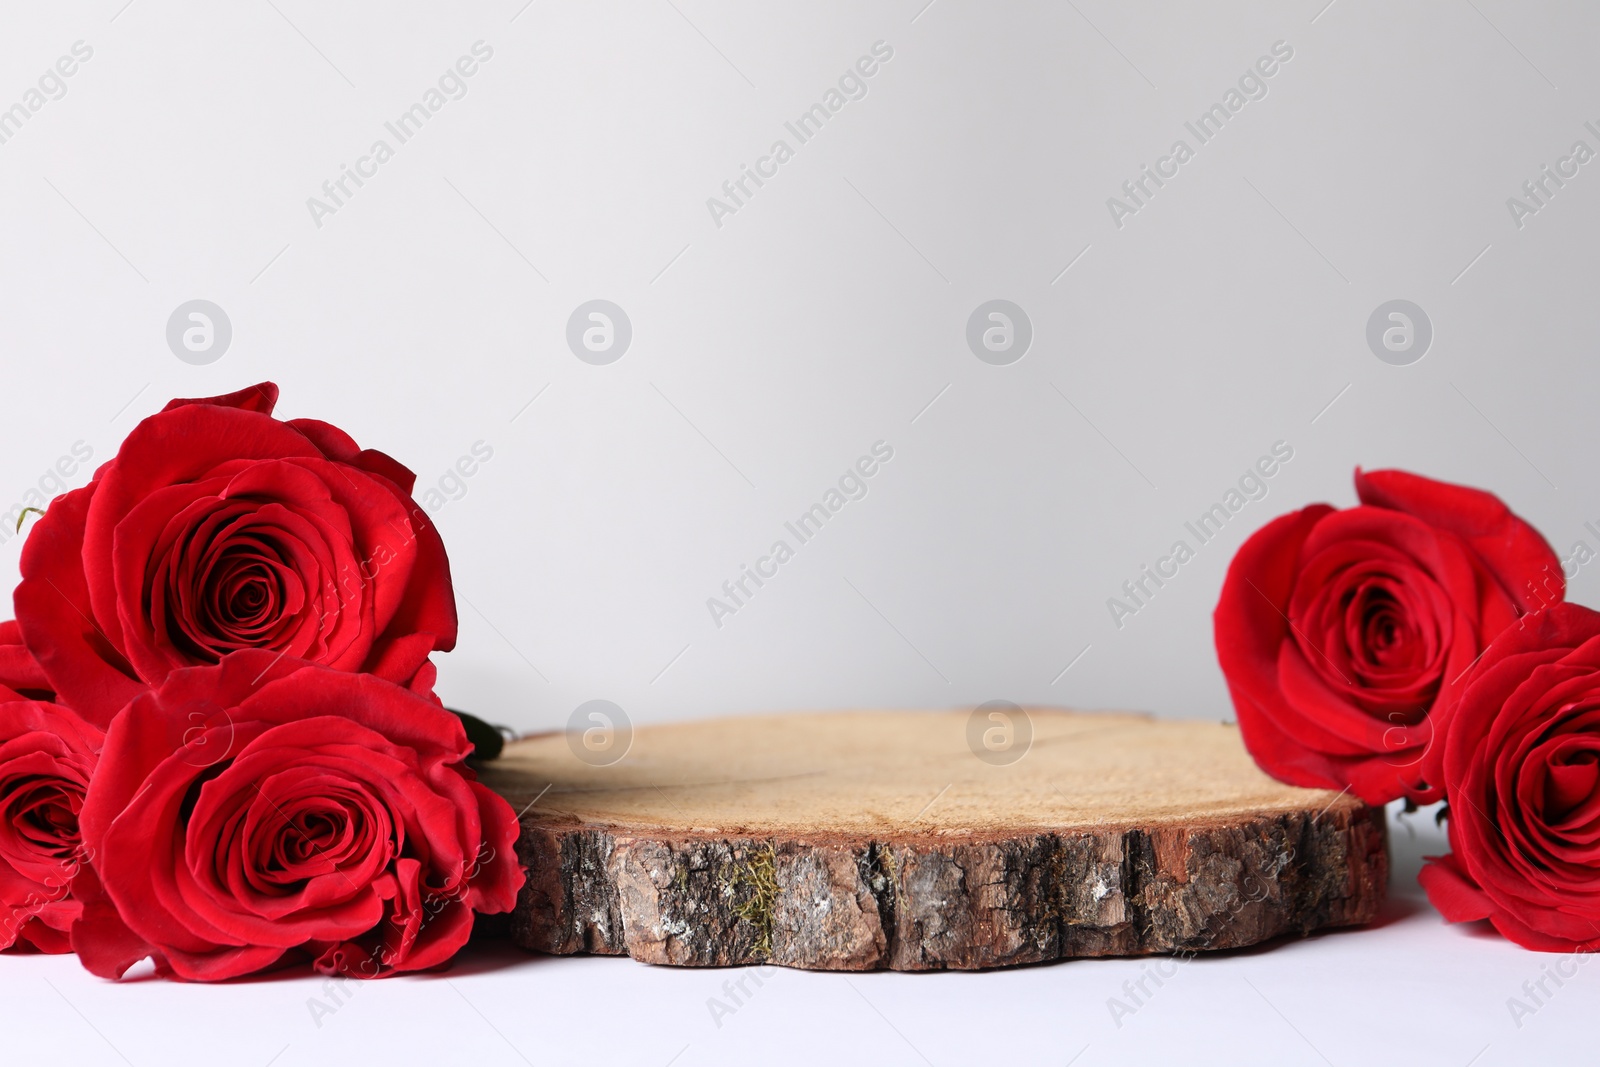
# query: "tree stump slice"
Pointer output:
{"type": "Point", "coordinates": [867, 840]}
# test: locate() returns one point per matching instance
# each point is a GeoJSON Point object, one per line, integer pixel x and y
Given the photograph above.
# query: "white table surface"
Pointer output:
{"type": "Point", "coordinates": [1409, 990]}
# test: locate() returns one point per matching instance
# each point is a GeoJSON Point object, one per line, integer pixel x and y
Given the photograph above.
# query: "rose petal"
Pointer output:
{"type": "Point", "coordinates": [57, 620]}
{"type": "Point", "coordinates": [1509, 545]}
{"type": "Point", "coordinates": [261, 398]}
{"type": "Point", "coordinates": [1451, 890]}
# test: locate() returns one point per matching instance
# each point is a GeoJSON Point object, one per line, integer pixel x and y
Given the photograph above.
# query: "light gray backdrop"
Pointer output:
{"type": "Point", "coordinates": [777, 337]}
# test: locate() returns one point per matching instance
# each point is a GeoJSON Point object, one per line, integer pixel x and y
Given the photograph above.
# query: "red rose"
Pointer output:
{"type": "Point", "coordinates": [1522, 775]}
{"type": "Point", "coordinates": [267, 809]}
{"type": "Point", "coordinates": [47, 754]}
{"type": "Point", "coordinates": [1344, 634]}
{"type": "Point", "coordinates": [217, 527]}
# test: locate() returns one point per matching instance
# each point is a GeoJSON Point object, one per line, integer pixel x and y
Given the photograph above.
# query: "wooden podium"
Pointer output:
{"type": "Point", "coordinates": [889, 839]}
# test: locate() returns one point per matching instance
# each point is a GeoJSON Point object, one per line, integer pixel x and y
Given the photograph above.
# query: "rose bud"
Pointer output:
{"type": "Point", "coordinates": [1522, 776]}
{"type": "Point", "coordinates": [217, 527]}
{"type": "Point", "coordinates": [266, 810]}
{"type": "Point", "coordinates": [1344, 634]}
{"type": "Point", "coordinates": [47, 754]}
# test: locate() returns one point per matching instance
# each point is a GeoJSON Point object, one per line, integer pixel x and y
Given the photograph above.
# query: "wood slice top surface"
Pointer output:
{"type": "Point", "coordinates": [869, 839]}
{"type": "Point", "coordinates": [880, 772]}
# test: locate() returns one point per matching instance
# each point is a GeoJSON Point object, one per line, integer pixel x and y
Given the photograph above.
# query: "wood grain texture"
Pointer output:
{"type": "Point", "coordinates": [867, 840]}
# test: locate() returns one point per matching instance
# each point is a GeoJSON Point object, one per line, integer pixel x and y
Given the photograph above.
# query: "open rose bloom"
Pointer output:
{"type": "Point", "coordinates": [47, 756]}
{"type": "Point", "coordinates": [268, 810]}
{"type": "Point", "coordinates": [1522, 770]}
{"type": "Point", "coordinates": [217, 528]}
{"type": "Point", "coordinates": [1344, 634]}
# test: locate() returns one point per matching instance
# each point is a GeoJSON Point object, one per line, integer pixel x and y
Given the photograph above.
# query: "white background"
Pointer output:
{"type": "Point", "coordinates": [771, 351]}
